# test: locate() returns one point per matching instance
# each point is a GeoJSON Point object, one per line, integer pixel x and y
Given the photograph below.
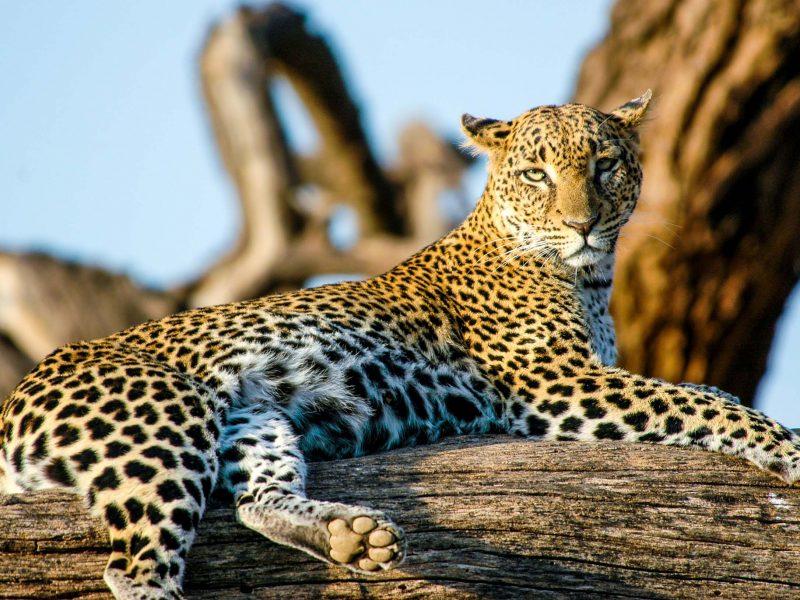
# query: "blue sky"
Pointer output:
{"type": "Point", "coordinates": [106, 155]}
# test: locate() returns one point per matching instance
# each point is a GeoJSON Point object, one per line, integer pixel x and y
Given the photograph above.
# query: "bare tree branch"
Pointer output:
{"type": "Point", "coordinates": [249, 137]}
{"type": "Point", "coordinates": [345, 163]}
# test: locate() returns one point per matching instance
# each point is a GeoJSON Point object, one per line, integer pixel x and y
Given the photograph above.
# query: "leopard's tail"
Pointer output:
{"type": "Point", "coordinates": [3, 462]}
{"type": "Point", "coordinates": [7, 484]}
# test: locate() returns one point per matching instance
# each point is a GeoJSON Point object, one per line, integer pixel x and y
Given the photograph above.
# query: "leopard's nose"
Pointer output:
{"type": "Point", "coordinates": [583, 227]}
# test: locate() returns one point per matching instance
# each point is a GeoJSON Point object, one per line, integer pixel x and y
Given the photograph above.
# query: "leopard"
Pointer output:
{"type": "Point", "coordinates": [502, 326]}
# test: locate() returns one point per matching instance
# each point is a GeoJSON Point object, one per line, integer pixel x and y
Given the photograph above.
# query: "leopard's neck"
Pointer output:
{"type": "Point", "coordinates": [483, 274]}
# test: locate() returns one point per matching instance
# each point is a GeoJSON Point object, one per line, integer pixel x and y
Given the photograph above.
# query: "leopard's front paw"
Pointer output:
{"type": "Point", "coordinates": [787, 463]}
{"type": "Point", "coordinates": [365, 544]}
{"type": "Point", "coordinates": [777, 452]}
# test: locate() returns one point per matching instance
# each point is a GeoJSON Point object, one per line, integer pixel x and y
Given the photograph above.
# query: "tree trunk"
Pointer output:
{"type": "Point", "coordinates": [712, 254]}
{"type": "Point", "coordinates": [489, 517]}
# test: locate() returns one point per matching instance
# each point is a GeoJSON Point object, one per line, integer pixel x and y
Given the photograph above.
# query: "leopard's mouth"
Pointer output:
{"type": "Point", "coordinates": [585, 256]}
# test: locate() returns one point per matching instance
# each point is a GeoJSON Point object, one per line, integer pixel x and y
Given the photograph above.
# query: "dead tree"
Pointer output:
{"type": "Point", "coordinates": [287, 199]}
{"type": "Point", "coordinates": [707, 264]}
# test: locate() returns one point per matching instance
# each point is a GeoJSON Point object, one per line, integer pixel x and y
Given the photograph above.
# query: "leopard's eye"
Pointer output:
{"type": "Point", "coordinates": [534, 176]}
{"type": "Point", "coordinates": [606, 164]}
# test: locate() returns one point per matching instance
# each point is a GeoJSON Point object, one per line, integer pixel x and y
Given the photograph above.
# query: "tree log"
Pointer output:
{"type": "Point", "coordinates": [712, 254]}
{"type": "Point", "coordinates": [486, 517]}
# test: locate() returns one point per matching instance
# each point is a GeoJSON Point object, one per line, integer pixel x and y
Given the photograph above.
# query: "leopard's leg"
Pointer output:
{"type": "Point", "coordinates": [164, 484]}
{"type": "Point", "coordinates": [609, 403]}
{"type": "Point", "coordinates": [138, 441]}
{"type": "Point", "coordinates": [150, 540]}
{"type": "Point", "coordinates": [261, 465]}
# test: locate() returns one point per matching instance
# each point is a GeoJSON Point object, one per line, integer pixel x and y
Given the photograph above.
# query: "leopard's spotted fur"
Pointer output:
{"type": "Point", "coordinates": [502, 325]}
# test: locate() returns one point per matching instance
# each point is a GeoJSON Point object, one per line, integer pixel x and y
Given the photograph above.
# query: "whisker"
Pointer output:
{"type": "Point", "coordinates": [653, 237]}
{"type": "Point", "coordinates": [650, 219]}
{"type": "Point", "coordinates": [500, 239]}
{"type": "Point", "coordinates": [488, 255]}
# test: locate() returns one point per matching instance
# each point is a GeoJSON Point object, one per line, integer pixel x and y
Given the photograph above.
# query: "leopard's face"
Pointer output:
{"type": "Point", "coordinates": [563, 179]}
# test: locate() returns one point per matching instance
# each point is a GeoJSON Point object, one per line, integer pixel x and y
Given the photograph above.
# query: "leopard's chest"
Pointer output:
{"type": "Point", "coordinates": [602, 336]}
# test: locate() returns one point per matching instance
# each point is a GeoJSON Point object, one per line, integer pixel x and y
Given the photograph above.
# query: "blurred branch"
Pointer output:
{"type": "Point", "coordinates": [313, 256]}
{"type": "Point", "coordinates": [283, 240]}
{"type": "Point", "coordinates": [427, 167]}
{"type": "Point", "coordinates": [46, 302]}
{"type": "Point", "coordinates": [254, 151]}
{"type": "Point", "coordinates": [345, 164]}
{"type": "Point", "coordinates": [286, 200]}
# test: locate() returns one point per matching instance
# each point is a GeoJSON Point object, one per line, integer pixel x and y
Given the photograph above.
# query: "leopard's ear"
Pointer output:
{"type": "Point", "coordinates": [485, 134]}
{"type": "Point", "coordinates": [632, 112]}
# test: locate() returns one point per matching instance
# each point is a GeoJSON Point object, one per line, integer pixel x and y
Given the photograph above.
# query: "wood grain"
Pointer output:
{"type": "Point", "coordinates": [489, 517]}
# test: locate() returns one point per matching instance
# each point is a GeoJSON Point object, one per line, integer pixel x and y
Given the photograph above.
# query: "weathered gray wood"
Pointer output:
{"type": "Point", "coordinates": [486, 517]}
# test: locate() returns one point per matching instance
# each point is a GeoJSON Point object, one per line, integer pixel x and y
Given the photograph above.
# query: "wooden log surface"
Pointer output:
{"type": "Point", "coordinates": [489, 517]}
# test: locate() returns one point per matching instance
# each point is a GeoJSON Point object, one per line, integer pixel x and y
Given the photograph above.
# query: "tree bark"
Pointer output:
{"type": "Point", "coordinates": [713, 251]}
{"type": "Point", "coordinates": [488, 517]}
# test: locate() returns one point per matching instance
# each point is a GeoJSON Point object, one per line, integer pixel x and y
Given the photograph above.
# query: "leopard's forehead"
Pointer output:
{"type": "Point", "coordinates": [568, 131]}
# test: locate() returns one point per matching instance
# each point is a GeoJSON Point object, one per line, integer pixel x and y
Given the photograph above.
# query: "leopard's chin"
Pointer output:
{"type": "Point", "coordinates": [585, 257]}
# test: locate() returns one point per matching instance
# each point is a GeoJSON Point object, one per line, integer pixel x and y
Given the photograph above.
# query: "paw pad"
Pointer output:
{"type": "Point", "coordinates": [364, 544]}
{"type": "Point", "coordinates": [363, 524]}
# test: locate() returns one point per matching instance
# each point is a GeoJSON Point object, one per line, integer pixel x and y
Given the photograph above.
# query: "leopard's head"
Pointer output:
{"type": "Point", "coordinates": [564, 179]}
